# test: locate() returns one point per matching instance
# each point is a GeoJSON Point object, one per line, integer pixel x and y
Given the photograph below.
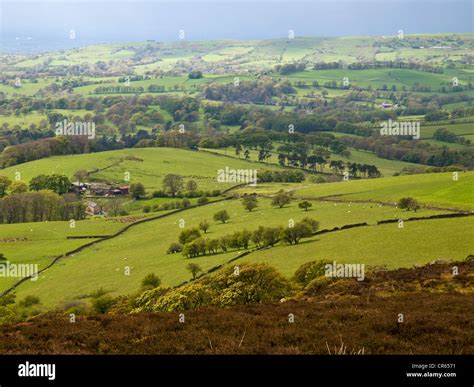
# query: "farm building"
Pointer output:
{"type": "Point", "coordinates": [386, 105]}
{"type": "Point", "coordinates": [101, 189]}
{"type": "Point", "coordinates": [121, 190]}
{"type": "Point", "coordinates": [80, 188]}
{"type": "Point", "coordinates": [92, 208]}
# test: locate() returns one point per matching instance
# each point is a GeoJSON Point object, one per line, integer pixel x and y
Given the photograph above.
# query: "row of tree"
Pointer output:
{"type": "Point", "coordinates": [260, 92]}
{"type": "Point", "coordinates": [443, 134]}
{"type": "Point", "coordinates": [191, 244]}
{"type": "Point", "coordinates": [40, 206]}
{"type": "Point", "coordinates": [403, 149]}
{"type": "Point", "coordinates": [55, 182]}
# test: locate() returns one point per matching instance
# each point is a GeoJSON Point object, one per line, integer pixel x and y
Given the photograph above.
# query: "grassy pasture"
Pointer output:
{"type": "Point", "coordinates": [431, 189]}
{"type": "Point", "coordinates": [376, 77]}
{"type": "Point", "coordinates": [37, 243]}
{"type": "Point", "coordinates": [157, 162]}
{"type": "Point", "coordinates": [387, 167]}
{"type": "Point", "coordinates": [458, 128]}
{"type": "Point", "coordinates": [143, 247]}
{"type": "Point", "coordinates": [379, 245]}
{"type": "Point", "coordinates": [183, 83]}
{"type": "Point", "coordinates": [103, 264]}
{"type": "Point", "coordinates": [27, 88]}
{"type": "Point", "coordinates": [22, 120]}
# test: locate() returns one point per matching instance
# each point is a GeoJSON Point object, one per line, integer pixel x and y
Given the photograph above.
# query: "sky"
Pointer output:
{"type": "Point", "coordinates": [44, 25]}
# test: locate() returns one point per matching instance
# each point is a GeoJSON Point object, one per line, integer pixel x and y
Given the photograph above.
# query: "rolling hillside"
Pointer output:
{"type": "Point", "coordinates": [432, 189]}
{"type": "Point", "coordinates": [145, 165]}
{"type": "Point", "coordinates": [102, 265]}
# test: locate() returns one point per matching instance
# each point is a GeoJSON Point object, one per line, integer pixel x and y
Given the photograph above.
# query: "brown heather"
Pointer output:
{"type": "Point", "coordinates": [434, 324]}
{"type": "Point", "coordinates": [438, 314]}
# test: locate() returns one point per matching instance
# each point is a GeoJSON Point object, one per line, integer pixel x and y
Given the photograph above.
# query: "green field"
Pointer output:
{"type": "Point", "coordinates": [377, 77]}
{"type": "Point", "coordinates": [143, 247]}
{"type": "Point", "coordinates": [459, 129]}
{"type": "Point", "coordinates": [437, 189]}
{"type": "Point", "coordinates": [37, 243]}
{"type": "Point", "coordinates": [386, 167]}
{"type": "Point", "coordinates": [385, 245]}
{"type": "Point", "coordinates": [450, 145]}
{"type": "Point", "coordinates": [171, 84]}
{"type": "Point", "coordinates": [226, 59]}
{"type": "Point", "coordinates": [27, 88]}
{"type": "Point", "coordinates": [22, 120]}
{"type": "Point", "coordinates": [432, 189]}
{"type": "Point", "coordinates": [157, 162]}
{"type": "Point", "coordinates": [348, 49]}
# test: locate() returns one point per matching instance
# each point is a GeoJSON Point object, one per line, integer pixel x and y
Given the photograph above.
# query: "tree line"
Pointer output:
{"type": "Point", "coordinates": [402, 149]}
{"type": "Point", "coordinates": [191, 243]}
{"type": "Point", "coordinates": [40, 206]}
